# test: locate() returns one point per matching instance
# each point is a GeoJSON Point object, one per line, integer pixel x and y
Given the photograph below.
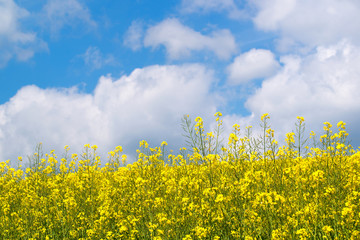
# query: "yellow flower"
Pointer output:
{"type": "Point", "coordinates": [123, 159]}
{"type": "Point", "coordinates": [327, 126]}
{"type": "Point", "coordinates": [187, 237]}
{"type": "Point", "coordinates": [312, 134]}
{"type": "Point", "coordinates": [123, 229]}
{"type": "Point", "coordinates": [219, 198]}
{"type": "Point", "coordinates": [144, 144]}
{"type": "Point", "coordinates": [200, 232]}
{"type": "Point", "coordinates": [265, 116]}
{"type": "Point", "coordinates": [290, 138]}
{"type": "Point", "coordinates": [109, 235]}
{"type": "Point", "coordinates": [301, 119]}
{"type": "Point", "coordinates": [341, 125]}
{"type": "Point", "coordinates": [323, 137]}
{"type": "Point", "coordinates": [236, 127]}
{"type": "Point", "coordinates": [303, 233]}
{"type": "Point", "coordinates": [118, 149]}
{"type": "Point", "coordinates": [210, 134]}
{"type": "Point", "coordinates": [346, 211]}
{"type": "Point", "coordinates": [327, 229]}
{"type": "Point", "coordinates": [198, 119]}
{"type": "Point", "coordinates": [90, 232]}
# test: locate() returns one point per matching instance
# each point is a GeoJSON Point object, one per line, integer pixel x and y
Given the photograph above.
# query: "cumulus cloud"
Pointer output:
{"type": "Point", "coordinates": [58, 14]}
{"type": "Point", "coordinates": [254, 64]}
{"type": "Point", "coordinates": [133, 36]}
{"type": "Point", "coordinates": [322, 86]}
{"type": "Point", "coordinates": [94, 58]}
{"type": "Point", "coordinates": [180, 40]}
{"type": "Point", "coordinates": [147, 104]}
{"type": "Point", "coordinates": [34, 115]}
{"type": "Point", "coordinates": [194, 6]}
{"type": "Point", "coordinates": [14, 42]}
{"type": "Point", "coordinates": [310, 23]}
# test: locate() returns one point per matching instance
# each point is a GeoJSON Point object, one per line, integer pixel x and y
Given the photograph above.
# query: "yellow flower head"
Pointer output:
{"type": "Point", "coordinates": [327, 126]}
{"type": "Point", "coordinates": [236, 127]}
{"type": "Point", "coordinates": [218, 114]}
{"type": "Point", "coordinates": [198, 119]}
{"type": "Point", "coordinates": [118, 149]}
{"type": "Point", "coordinates": [265, 116]}
{"type": "Point", "coordinates": [290, 138]}
{"type": "Point", "coordinates": [301, 119]}
{"type": "Point", "coordinates": [219, 198]}
{"type": "Point", "coordinates": [144, 144]}
{"type": "Point", "coordinates": [327, 229]}
{"type": "Point", "coordinates": [199, 124]}
{"type": "Point", "coordinates": [123, 159]}
{"type": "Point", "coordinates": [210, 134]}
{"type": "Point", "coordinates": [233, 138]}
{"type": "Point", "coordinates": [341, 125]}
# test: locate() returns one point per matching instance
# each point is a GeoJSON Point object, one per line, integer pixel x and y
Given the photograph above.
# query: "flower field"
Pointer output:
{"type": "Point", "coordinates": [246, 188]}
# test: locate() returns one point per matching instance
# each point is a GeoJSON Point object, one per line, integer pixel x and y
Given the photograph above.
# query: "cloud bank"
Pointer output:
{"type": "Point", "coordinates": [148, 104]}
{"type": "Point", "coordinates": [310, 23]}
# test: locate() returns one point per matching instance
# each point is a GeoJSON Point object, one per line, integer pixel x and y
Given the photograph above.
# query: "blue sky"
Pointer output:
{"type": "Point", "coordinates": [116, 72]}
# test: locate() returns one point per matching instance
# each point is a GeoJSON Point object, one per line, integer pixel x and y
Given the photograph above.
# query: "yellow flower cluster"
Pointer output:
{"type": "Point", "coordinates": [236, 194]}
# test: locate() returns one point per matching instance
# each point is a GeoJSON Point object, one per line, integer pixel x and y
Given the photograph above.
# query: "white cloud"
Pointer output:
{"type": "Point", "coordinates": [194, 6]}
{"type": "Point", "coordinates": [180, 40]}
{"type": "Point", "coordinates": [148, 104]}
{"type": "Point", "coordinates": [254, 64]}
{"type": "Point", "coordinates": [309, 22]}
{"type": "Point", "coordinates": [58, 14]}
{"type": "Point", "coordinates": [322, 86]}
{"type": "Point", "coordinates": [34, 115]}
{"type": "Point", "coordinates": [15, 43]}
{"type": "Point", "coordinates": [133, 36]}
{"type": "Point", "coordinates": [9, 17]}
{"type": "Point", "coordinates": [95, 59]}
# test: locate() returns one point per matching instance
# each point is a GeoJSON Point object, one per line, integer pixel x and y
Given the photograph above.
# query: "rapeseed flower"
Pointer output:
{"type": "Point", "coordinates": [246, 189]}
